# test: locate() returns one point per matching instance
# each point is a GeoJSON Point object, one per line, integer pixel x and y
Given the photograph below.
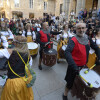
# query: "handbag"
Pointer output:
{"type": "Point", "coordinates": [30, 75]}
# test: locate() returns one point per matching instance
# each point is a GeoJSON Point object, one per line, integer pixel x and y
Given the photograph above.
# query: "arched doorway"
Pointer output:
{"type": "Point", "coordinates": [31, 15]}
{"type": "Point", "coordinates": [95, 4]}
{"type": "Point", "coordinates": [17, 14]}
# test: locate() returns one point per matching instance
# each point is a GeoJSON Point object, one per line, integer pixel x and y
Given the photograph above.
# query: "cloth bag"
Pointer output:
{"type": "Point", "coordinates": [30, 75]}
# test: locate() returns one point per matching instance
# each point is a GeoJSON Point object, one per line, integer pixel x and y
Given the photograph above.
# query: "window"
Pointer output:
{"type": "Point", "coordinates": [16, 3]}
{"type": "Point", "coordinates": [61, 7]}
{"type": "Point", "coordinates": [45, 5]}
{"type": "Point", "coordinates": [31, 3]}
{"type": "Point", "coordinates": [1, 3]}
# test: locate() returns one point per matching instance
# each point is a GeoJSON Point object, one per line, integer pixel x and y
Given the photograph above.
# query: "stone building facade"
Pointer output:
{"type": "Point", "coordinates": [76, 5]}
{"type": "Point", "coordinates": [26, 8]}
{"type": "Point", "coordinates": [37, 8]}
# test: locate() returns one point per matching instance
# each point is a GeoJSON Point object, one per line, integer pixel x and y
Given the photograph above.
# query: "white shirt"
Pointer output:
{"type": "Point", "coordinates": [8, 33]}
{"type": "Point", "coordinates": [4, 41]}
{"type": "Point", "coordinates": [29, 33]}
{"type": "Point", "coordinates": [70, 34]}
{"type": "Point", "coordinates": [37, 25]}
{"type": "Point", "coordinates": [97, 42]}
{"type": "Point", "coordinates": [5, 53]}
{"type": "Point", "coordinates": [65, 34]}
{"type": "Point", "coordinates": [72, 13]}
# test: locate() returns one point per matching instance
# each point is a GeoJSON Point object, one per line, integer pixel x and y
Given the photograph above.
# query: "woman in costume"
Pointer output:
{"type": "Point", "coordinates": [31, 36]}
{"type": "Point", "coordinates": [6, 32]}
{"type": "Point", "coordinates": [15, 88]}
{"type": "Point", "coordinates": [63, 41]}
{"type": "Point", "coordinates": [92, 55]}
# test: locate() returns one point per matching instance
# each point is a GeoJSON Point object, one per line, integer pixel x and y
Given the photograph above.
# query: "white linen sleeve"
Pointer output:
{"type": "Point", "coordinates": [34, 35]}
{"type": "Point", "coordinates": [23, 34]}
{"type": "Point", "coordinates": [4, 53]}
{"type": "Point", "coordinates": [4, 40]}
{"type": "Point", "coordinates": [11, 36]}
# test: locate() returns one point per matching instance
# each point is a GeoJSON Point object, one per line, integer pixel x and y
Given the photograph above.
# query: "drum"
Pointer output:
{"type": "Point", "coordinates": [33, 48]}
{"type": "Point", "coordinates": [62, 50]}
{"type": "Point", "coordinates": [81, 89]}
{"type": "Point", "coordinates": [49, 57]}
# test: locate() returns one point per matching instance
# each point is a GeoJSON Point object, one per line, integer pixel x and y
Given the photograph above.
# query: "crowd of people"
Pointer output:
{"type": "Point", "coordinates": [80, 34]}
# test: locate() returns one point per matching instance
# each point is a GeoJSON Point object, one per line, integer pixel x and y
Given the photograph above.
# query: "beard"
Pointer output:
{"type": "Point", "coordinates": [81, 34]}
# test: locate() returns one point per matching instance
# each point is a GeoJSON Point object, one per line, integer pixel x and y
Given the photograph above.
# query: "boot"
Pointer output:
{"type": "Point", "coordinates": [40, 67]}
{"type": "Point", "coordinates": [65, 97]}
{"type": "Point", "coordinates": [58, 61]}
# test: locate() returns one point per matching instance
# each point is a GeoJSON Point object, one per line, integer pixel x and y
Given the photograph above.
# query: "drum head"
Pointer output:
{"type": "Point", "coordinates": [91, 77]}
{"type": "Point", "coordinates": [32, 45]}
{"type": "Point", "coordinates": [50, 51]}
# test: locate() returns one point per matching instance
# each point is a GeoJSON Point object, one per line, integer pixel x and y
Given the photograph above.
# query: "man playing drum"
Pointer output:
{"type": "Point", "coordinates": [43, 37]}
{"type": "Point", "coordinates": [76, 55]}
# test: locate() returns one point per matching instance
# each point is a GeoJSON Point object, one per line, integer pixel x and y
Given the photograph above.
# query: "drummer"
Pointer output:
{"type": "Point", "coordinates": [29, 33]}
{"type": "Point", "coordinates": [43, 37]}
{"type": "Point", "coordinates": [76, 55]}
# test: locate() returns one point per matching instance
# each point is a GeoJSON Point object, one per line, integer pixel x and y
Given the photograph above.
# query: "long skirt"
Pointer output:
{"type": "Point", "coordinates": [29, 39]}
{"type": "Point", "coordinates": [91, 60]}
{"type": "Point", "coordinates": [59, 46]}
{"type": "Point", "coordinates": [16, 89]}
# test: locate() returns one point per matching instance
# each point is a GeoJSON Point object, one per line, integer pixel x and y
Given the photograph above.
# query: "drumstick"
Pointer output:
{"type": "Point", "coordinates": [90, 69]}
{"type": "Point", "coordinates": [93, 66]}
{"type": "Point", "coordinates": [89, 84]}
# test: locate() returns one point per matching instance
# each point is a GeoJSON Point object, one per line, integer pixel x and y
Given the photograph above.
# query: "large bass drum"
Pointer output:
{"type": "Point", "coordinates": [49, 57]}
{"type": "Point", "coordinates": [81, 89]}
{"type": "Point", "coordinates": [33, 48]}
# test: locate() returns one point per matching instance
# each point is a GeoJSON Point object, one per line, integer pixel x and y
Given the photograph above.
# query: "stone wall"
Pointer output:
{"type": "Point", "coordinates": [88, 4]}
{"type": "Point", "coordinates": [57, 7]}
{"type": "Point", "coordinates": [53, 7]}
{"type": "Point", "coordinates": [38, 8]}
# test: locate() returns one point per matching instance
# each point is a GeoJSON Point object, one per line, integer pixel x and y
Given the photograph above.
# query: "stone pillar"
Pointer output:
{"type": "Point", "coordinates": [8, 12]}
{"type": "Point", "coordinates": [98, 3]}
{"type": "Point", "coordinates": [83, 4]}
{"type": "Point", "coordinates": [78, 7]}
{"type": "Point", "coordinates": [66, 8]}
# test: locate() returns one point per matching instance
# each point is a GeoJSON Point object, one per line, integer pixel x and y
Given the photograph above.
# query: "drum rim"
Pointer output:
{"type": "Point", "coordinates": [32, 43]}
{"type": "Point", "coordinates": [85, 82]}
